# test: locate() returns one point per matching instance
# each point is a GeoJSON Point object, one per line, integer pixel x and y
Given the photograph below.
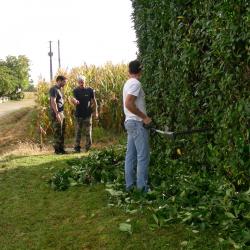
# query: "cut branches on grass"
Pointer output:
{"type": "Point", "coordinates": [202, 199]}
{"type": "Point", "coordinates": [35, 217]}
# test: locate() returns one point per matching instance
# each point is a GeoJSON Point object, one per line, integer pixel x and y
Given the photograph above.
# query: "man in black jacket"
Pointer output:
{"type": "Point", "coordinates": [85, 102]}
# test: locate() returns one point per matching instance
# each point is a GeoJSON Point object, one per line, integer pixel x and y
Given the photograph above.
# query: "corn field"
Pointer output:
{"type": "Point", "coordinates": [107, 81]}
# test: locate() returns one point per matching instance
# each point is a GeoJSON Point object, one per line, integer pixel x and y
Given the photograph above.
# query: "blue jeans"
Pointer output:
{"type": "Point", "coordinates": [137, 155]}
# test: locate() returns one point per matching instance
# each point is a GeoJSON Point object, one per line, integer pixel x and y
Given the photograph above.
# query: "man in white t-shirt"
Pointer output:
{"type": "Point", "coordinates": [137, 155]}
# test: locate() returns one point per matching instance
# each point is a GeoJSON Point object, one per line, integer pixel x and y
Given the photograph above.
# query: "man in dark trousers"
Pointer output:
{"type": "Point", "coordinates": [57, 115]}
{"type": "Point", "coordinates": [85, 102]}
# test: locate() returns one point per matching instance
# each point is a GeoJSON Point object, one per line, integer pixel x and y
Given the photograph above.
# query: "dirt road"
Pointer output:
{"type": "Point", "coordinates": [10, 106]}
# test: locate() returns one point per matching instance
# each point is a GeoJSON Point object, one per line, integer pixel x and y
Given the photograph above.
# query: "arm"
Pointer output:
{"type": "Point", "coordinates": [54, 107]}
{"type": "Point", "coordinates": [130, 105]}
{"type": "Point", "coordinates": [74, 101]}
{"type": "Point", "coordinates": [94, 106]}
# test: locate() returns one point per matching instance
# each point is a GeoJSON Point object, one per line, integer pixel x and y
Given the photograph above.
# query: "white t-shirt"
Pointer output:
{"type": "Point", "coordinates": [133, 87]}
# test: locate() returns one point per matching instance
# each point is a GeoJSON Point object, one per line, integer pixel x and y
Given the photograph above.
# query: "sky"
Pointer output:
{"type": "Point", "coordinates": [90, 31]}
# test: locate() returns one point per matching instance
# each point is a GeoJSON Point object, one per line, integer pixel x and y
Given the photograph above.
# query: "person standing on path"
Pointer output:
{"type": "Point", "coordinates": [85, 102]}
{"type": "Point", "coordinates": [57, 115]}
{"type": "Point", "coordinates": [137, 154]}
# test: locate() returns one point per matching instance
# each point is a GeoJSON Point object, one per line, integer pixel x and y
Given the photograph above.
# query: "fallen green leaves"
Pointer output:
{"type": "Point", "coordinates": [202, 199]}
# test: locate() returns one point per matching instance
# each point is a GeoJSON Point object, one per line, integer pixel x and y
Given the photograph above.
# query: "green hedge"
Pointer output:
{"type": "Point", "coordinates": [195, 56]}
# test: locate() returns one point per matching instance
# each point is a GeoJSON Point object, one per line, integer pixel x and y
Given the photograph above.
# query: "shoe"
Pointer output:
{"type": "Point", "coordinates": [57, 151]}
{"type": "Point", "coordinates": [61, 152]}
{"type": "Point", "coordinates": [77, 149]}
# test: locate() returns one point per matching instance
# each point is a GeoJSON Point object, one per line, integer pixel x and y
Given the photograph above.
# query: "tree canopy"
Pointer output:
{"type": "Point", "coordinates": [14, 75]}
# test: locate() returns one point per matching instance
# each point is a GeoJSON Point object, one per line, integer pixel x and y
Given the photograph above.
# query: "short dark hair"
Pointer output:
{"type": "Point", "coordinates": [134, 67]}
{"type": "Point", "coordinates": [60, 78]}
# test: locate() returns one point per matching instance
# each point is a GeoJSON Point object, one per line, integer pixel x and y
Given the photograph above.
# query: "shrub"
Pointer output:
{"type": "Point", "coordinates": [195, 56]}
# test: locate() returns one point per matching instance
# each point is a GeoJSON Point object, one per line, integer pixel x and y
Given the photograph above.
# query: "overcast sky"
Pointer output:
{"type": "Point", "coordinates": [91, 31]}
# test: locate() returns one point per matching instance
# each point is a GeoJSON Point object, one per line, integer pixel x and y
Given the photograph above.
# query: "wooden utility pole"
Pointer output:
{"type": "Point", "coordinates": [50, 55]}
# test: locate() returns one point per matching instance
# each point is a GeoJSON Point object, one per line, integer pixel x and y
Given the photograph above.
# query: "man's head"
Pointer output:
{"type": "Point", "coordinates": [81, 80]}
{"type": "Point", "coordinates": [61, 81]}
{"type": "Point", "coordinates": [134, 67]}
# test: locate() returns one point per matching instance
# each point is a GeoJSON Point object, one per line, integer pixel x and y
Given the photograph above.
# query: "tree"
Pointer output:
{"type": "Point", "coordinates": [20, 68]}
{"type": "Point", "coordinates": [7, 81]}
{"type": "Point", "coordinates": [14, 75]}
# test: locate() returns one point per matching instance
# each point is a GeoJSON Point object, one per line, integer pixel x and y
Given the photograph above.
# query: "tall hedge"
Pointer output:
{"type": "Point", "coordinates": [196, 73]}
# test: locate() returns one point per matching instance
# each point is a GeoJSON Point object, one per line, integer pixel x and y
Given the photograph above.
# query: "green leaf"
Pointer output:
{"type": "Point", "coordinates": [125, 227]}
{"type": "Point", "coordinates": [72, 182]}
{"type": "Point", "coordinates": [114, 192]}
{"type": "Point", "coordinates": [221, 240]}
{"type": "Point", "coordinates": [195, 231]}
{"type": "Point", "coordinates": [247, 216]}
{"type": "Point", "coordinates": [184, 243]}
{"type": "Point", "coordinates": [230, 215]}
{"type": "Point", "coordinates": [155, 219]}
{"type": "Point", "coordinates": [134, 211]}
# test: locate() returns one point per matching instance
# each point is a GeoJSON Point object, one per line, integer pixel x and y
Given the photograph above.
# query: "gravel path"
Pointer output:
{"type": "Point", "coordinates": [10, 106]}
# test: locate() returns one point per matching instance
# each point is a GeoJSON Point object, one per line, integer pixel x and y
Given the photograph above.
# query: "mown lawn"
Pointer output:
{"type": "Point", "coordinates": [33, 216]}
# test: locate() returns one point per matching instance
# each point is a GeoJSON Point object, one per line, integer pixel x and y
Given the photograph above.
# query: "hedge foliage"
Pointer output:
{"type": "Point", "coordinates": [196, 74]}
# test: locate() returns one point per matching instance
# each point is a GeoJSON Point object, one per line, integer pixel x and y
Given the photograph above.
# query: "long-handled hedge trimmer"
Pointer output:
{"type": "Point", "coordinates": [172, 135]}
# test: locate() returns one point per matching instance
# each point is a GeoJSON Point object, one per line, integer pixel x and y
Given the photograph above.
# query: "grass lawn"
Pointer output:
{"type": "Point", "coordinates": [33, 216]}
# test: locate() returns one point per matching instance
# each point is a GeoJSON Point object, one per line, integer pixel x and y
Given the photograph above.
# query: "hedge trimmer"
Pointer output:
{"type": "Point", "coordinates": [172, 135]}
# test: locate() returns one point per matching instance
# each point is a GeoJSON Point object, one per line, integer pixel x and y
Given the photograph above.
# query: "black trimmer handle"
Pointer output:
{"type": "Point", "coordinates": [148, 126]}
